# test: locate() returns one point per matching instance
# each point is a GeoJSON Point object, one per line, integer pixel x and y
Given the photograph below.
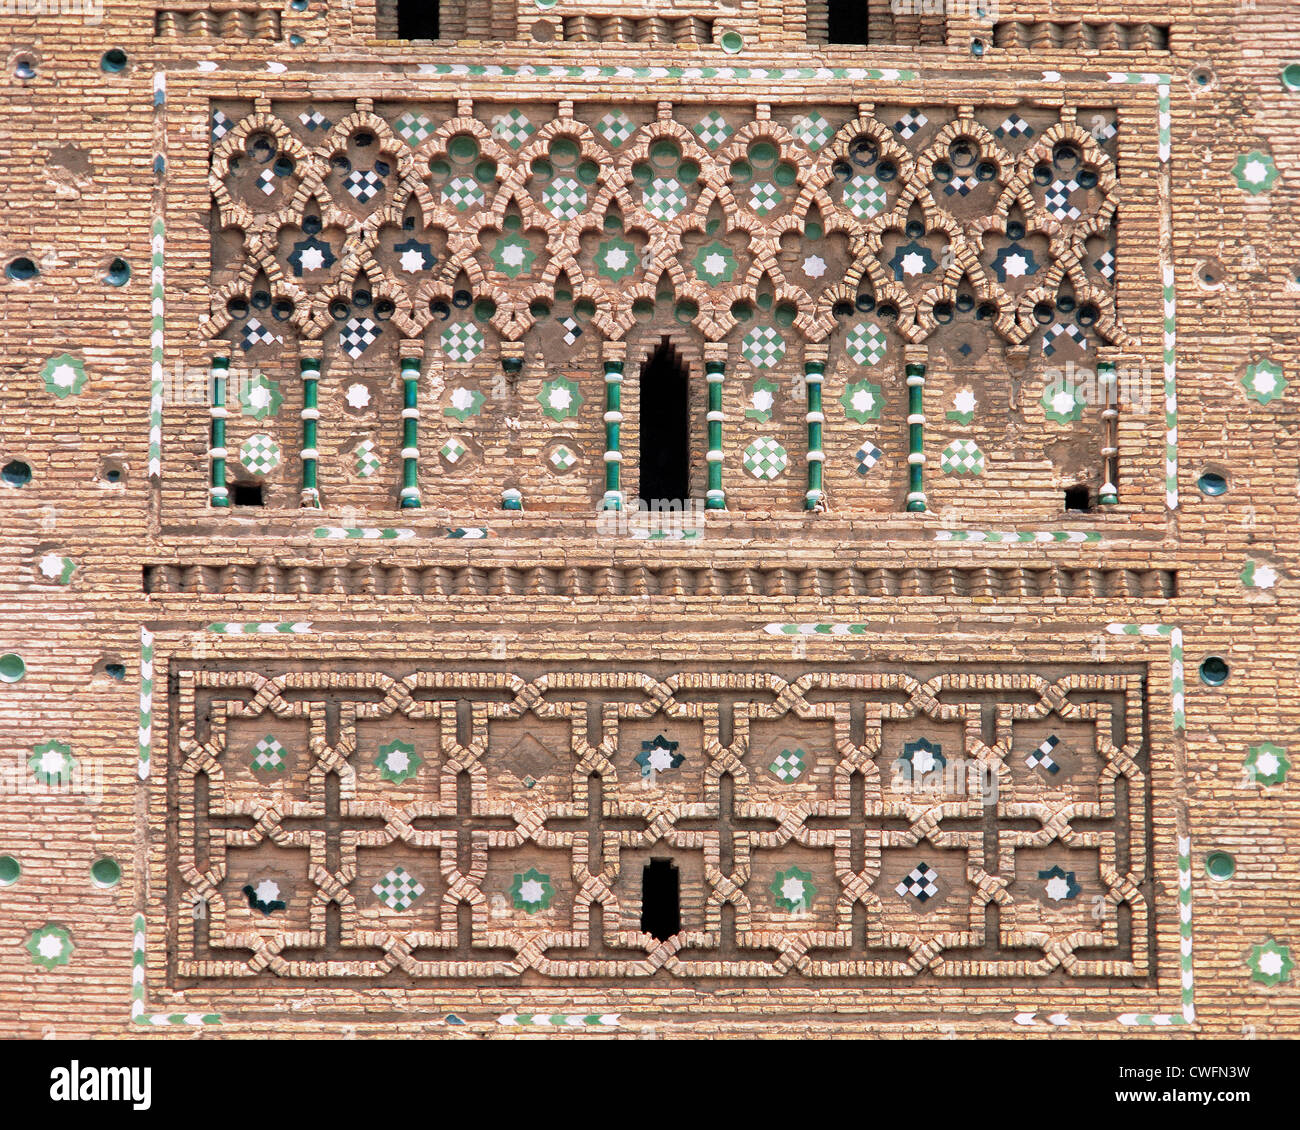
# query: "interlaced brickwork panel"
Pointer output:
{"type": "Point", "coordinates": [807, 217]}
{"type": "Point", "coordinates": [856, 824]}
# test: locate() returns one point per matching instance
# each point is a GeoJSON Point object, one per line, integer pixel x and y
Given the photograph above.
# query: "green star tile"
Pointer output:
{"type": "Point", "coordinates": [1264, 381]}
{"type": "Point", "coordinates": [560, 398]}
{"type": "Point", "coordinates": [513, 256]}
{"type": "Point", "coordinates": [64, 375]}
{"type": "Point", "coordinates": [1255, 172]}
{"type": "Point", "coordinates": [862, 401]}
{"type": "Point", "coordinates": [714, 263]}
{"type": "Point", "coordinates": [260, 397]}
{"type": "Point", "coordinates": [616, 259]}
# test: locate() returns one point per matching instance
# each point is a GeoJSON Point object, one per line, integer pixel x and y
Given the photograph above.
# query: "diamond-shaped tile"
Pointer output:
{"type": "Point", "coordinates": [864, 196]}
{"type": "Point", "coordinates": [713, 130]}
{"type": "Point", "coordinates": [789, 765]}
{"type": "Point", "coordinates": [1013, 125]}
{"type": "Point", "coordinates": [314, 120]}
{"type": "Point", "coordinates": [865, 343]}
{"type": "Point", "coordinates": [962, 457]}
{"type": "Point", "coordinates": [463, 193]}
{"type": "Point", "coordinates": [398, 890]}
{"type": "Point", "coordinates": [813, 130]}
{"type": "Point", "coordinates": [572, 330]}
{"type": "Point", "coordinates": [462, 342]}
{"type": "Point", "coordinates": [867, 456]}
{"type": "Point", "coordinates": [364, 184]}
{"type": "Point", "coordinates": [268, 756]}
{"type": "Point", "coordinates": [266, 181]}
{"type": "Point", "coordinates": [1057, 199]}
{"type": "Point", "coordinates": [910, 124]}
{"type": "Point", "coordinates": [765, 458]}
{"type": "Point", "coordinates": [254, 333]}
{"type": "Point", "coordinates": [615, 127]}
{"type": "Point", "coordinates": [367, 462]}
{"type": "Point", "coordinates": [565, 198]}
{"type": "Point", "coordinates": [413, 128]}
{"type": "Point", "coordinates": [357, 336]}
{"type": "Point", "coordinates": [453, 451]}
{"type": "Point", "coordinates": [1042, 757]}
{"type": "Point", "coordinates": [1105, 265]}
{"type": "Point", "coordinates": [763, 347]}
{"type": "Point", "coordinates": [665, 198]}
{"type": "Point", "coordinates": [922, 883]}
{"type": "Point", "coordinates": [561, 458]}
{"type": "Point", "coordinates": [221, 125]}
{"type": "Point", "coordinates": [512, 127]}
{"type": "Point", "coordinates": [259, 454]}
{"type": "Point", "coordinates": [764, 197]}
{"type": "Point", "coordinates": [1067, 329]}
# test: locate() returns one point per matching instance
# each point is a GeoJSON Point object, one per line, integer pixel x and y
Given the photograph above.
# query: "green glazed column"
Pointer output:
{"type": "Point", "coordinates": [615, 355]}
{"type": "Point", "coordinates": [814, 370]}
{"type": "Point", "coordinates": [218, 495]}
{"type": "Point", "coordinates": [1108, 389]}
{"type": "Point", "coordinates": [916, 436]}
{"type": "Point", "coordinates": [412, 353]}
{"type": "Point", "coordinates": [309, 363]}
{"type": "Point", "coordinates": [715, 366]}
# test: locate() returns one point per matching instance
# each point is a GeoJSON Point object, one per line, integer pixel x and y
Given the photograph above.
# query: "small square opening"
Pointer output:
{"type": "Point", "coordinates": [1078, 498]}
{"type": "Point", "coordinates": [246, 494]}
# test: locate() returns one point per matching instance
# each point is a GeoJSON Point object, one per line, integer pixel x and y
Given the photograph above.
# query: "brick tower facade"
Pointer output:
{"type": "Point", "coordinates": [717, 518]}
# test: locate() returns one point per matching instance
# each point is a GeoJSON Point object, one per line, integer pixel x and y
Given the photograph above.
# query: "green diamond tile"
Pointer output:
{"type": "Point", "coordinates": [865, 343]}
{"type": "Point", "coordinates": [713, 129]}
{"type": "Point", "coordinates": [765, 458]}
{"type": "Point", "coordinates": [864, 196]}
{"type": "Point", "coordinates": [763, 347]}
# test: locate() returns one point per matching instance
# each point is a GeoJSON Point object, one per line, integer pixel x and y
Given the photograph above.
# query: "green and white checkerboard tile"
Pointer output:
{"type": "Point", "coordinates": [565, 198]}
{"type": "Point", "coordinates": [789, 765]}
{"type": "Point", "coordinates": [513, 128]}
{"type": "Point", "coordinates": [665, 199]}
{"type": "Point", "coordinates": [865, 343]}
{"type": "Point", "coordinates": [398, 890]}
{"type": "Point", "coordinates": [864, 196]}
{"type": "Point", "coordinates": [561, 458]}
{"type": "Point", "coordinates": [962, 457]}
{"type": "Point", "coordinates": [765, 458]}
{"type": "Point", "coordinates": [763, 347]}
{"type": "Point", "coordinates": [413, 128]}
{"type": "Point", "coordinates": [813, 130]}
{"type": "Point", "coordinates": [367, 462]}
{"type": "Point", "coordinates": [764, 197]}
{"type": "Point", "coordinates": [268, 756]}
{"type": "Point", "coordinates": [462, 193]}
{"type": "Point", "coordinates": [713, 129]}
{"type": "Point", "coordinates": [260, 454]}
{"type": "Point", "coordinates": [462, 342]}
{"type": "Point", "coordinates": [453, 451]}
{"type": "Point", "coordinates": [615, 127]}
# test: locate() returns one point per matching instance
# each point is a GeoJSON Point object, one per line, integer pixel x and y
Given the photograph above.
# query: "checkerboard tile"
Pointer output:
{"type": "Point", "coordinates": [357, 336]}
{"type": "Point", "coordinates": [413, 128]}
{"type": "Point", "coordinates": [864, 196]}
{"type": "Point", "coordinates": [910, 124]}
{"type": "Point", "coordinates": [867, 456]}
{"type": "Point", "coordinates": [561, 458]}
{"type": "Point", "coordinates": [765, 458]}
{"type": "Point", "coordinates": [565, 198]}
{"type": "Point", "coordinates": [1041, 757]}
{"type": "Point", "coordinates": [764, 197]}
{"type": "Point", "coordinates": [221, 125]}
{"type": "Point", "coordinates": [665, 198]}
{"type": "Point", "coordinates": [513, 127]}
{"type": "Point", "coordinates": [266, 181]}
{"type": "Point", "coordinates": [763, 347]}
{"type": "Point", "coordinates": [314, 120]}
{"type": "Point", "coordinates": [865, 343]}
{"type": "Point", "coordinates": [268, 756]}
{"type": "Point", "coordinates": [1057, 199]}
{"type": "Point", "coordinates": [364, 185]}
{"type": "Point", "coordinates": [259, 454]}
{"type": "Point", "coordinates": [463, 193]}
{"type": "Point", "coordinates": [1013, 125]}
{"type": "Point", "coordinates": [615, 127]}
{"type": "Point", "coordinates": [462, 342]}
{"type": "Point", "coordinates": [1067, 329]}
{"type": "Point", "coordinates": [1105, 265]}
{"type": "Point", "coordinates": [789, 765]}
{"type": "Point", "coordinates": [572, 330]}
{"type": "Point", "coordinates": [922, 883]}
{"type": "Point", "coordinates": [255, 333]}
{"type": "Point", "coordinates": [713, 130]}
{"type": "Point", "coordinates": [453, 451]}
{"type": "Point", "coordinates": [398, 890]}
{"type": "Point", "coordinates": [962, 457]}
{"type": "Point", "coordinates": [366, 461]}
{"type": "Point", "coordinates": [813, 130]}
